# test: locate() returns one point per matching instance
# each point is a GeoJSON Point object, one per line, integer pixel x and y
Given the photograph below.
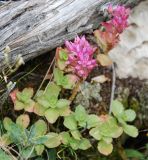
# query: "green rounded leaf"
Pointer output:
{"type": "Point", "coordinates": [54, 140]}
{"type": "Point", "coordinates": [39, 149]}
{"type": "Point", "coordinates": [63, 55]}
{"type": "Point", "coordinates": [29, 107]}
{"type": "Point", "coordinates": [84, 144]}
{"type": "Point", "coordinates": [25, 95]}
{"type": "Point", "coordinates": [7, 122]}
{"type": "Point", "coordinates": [52, 100]}
{"type": "Point", "coordinates": [80, 114]}
{"type": "Point", "coordinates": [95, 132]}
{"type": "Point", "coordinates": [76, 134]}
{"type": "Point", "coordinates": [129, 115]}
{"type": "Point", "coordinates": [19, 105]}
{"type": "Point", "coordinates": [109, 128]}
{"type": "Point", "coordinates": [39, 109]}
{"type": "Point", "coordinates": [52, 90]}
{"type": "Point", "coordinates": [40, 128]}
{"type": "Point", "coordinates": [130, 130]}
{"type": "Point", "coordinates": [43, 102]}
{"type": "Point", "coordinates": [107, 139]}
{"type": "Point", "coordinates": [117, 132]}
{"type": "Point", "coordinates": [65, 137]}
{"type": "Point", "coordinates": [5, 140]}
{"type": "Point", "coordinates": [70, 122]}
{"type": "Point", "coordinates": [69, 81]}
{"type": "Point", "coordinates": [52, 115]}
{"type": "Point", "coordinates": [63, 103]}
{"type": "Point", "coordinates": [18, 134]}
{"type": "Point", "coordinates": [64, 82]}
{"type": "Point", "coordinates": [28, 92]}
{"type": "Point", "coordinates": [92, 121]}
{"type": "Point", "coordinates": [64, 111]}
{"type": "Point", "coordinates": [117, 108]}
{"type": "Point", "coordinates": [74, 143]}
{"type": "Point", "coordinates": [58, 76]}
{"type": "Point", "coordinates": [23, 120]}
{"type": "Point", "coordinates": [105, 148]}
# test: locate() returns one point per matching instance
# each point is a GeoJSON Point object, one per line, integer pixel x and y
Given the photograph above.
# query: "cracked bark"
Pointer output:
{"type": "Point", "coordinates": [34, 27]}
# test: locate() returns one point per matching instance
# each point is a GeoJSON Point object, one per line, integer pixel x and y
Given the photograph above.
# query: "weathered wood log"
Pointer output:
{"type": "Point", "coordinates": [33, 27]}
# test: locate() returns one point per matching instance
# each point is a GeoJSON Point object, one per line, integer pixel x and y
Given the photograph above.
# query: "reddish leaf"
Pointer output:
{"type": "Point", "coordinates": [13, 95]}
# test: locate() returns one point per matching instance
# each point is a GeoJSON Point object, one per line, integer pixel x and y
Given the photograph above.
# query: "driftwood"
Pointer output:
{"type": "Point", "coordinates": [33, 27]}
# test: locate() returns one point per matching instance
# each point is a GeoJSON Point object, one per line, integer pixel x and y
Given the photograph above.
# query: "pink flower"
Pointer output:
{"type": "Point", "coordinates": [80, 58]}
{"type": "Point", "coordinates": [119, 21]}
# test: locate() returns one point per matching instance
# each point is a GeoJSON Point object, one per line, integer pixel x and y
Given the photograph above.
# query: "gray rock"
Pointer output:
{"type": "Point", "coordinates": [131, 54]}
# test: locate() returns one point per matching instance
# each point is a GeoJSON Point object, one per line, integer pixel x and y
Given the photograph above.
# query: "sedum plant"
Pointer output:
{"type": "Point", "coordinates": [54, 106]}
{"type": "Point", "coordinates": [77, 128]}
{"type": "Point", "coordinates": [108, 35]}
{"type": "Point", "coordinates": [104, 132]}
{"type": "Point", "coordinates": [67, 81]}
{"type": "Point", "coordinates": [80, 56]}
{"type": "Point", "coordinates": [31, 141]}
{"type": "Point", "coordinates": [61, 58]}
{"type": "Point", "coordinates": [123, 116]}
{"type": "Point", "coordinates": [103, 128]}
{"type": "Point", "coordinates": [46, 103]}
{"type": "Point", "coordinates": [22, 100]}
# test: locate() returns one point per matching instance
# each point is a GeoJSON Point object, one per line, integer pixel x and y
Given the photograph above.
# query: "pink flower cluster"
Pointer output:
{"type": "Point", "coordinates": [80, 57]}
{"type": "Point", "coordinates": [119, 21]}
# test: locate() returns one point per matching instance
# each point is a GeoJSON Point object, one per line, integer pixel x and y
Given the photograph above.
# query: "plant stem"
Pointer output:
{"type": "Point", "coordinates": [75, 90]}
{"type": "Point", "coordinates": [113, 87]}
{"type": "Point", "coordinates": [121, 151]}
{"type": "Point", "coordinates": [45, 75]}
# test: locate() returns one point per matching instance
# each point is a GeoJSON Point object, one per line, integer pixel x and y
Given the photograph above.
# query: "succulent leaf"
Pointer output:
{"type": "Point", "coordinates": [39, 149]}
{"type": "Point", "coordinates": [117, 108]}
{"type": "Point", "coordinates": [80, 114]}
{"type": "Point", "coordinates": [54, 140]}
{"type": "Point", "coordinates": [70, 122]}
{"type": "Point", "coordinates": [23, 120]}
{"type": "Point", "coordinates": [92, 121]}
{"type": "Point", "coordinates": [130, 130]}
{"type": "Point", "coordinates": [129, 115]}
{"type": "Point", "coordinates": [84, 144]}
{"type": "Point", "coordinates": [7, 123]}
{"type": "Point", "coordinates": [52, 115]}
{"type": "Point", "coordinates": [105, 148]}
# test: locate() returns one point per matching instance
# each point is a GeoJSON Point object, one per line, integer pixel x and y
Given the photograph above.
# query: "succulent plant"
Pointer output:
{"type": "Point", "coordinates": [66, 81]}
{"type": "Point", "coordinates": [105, 130]}
{"type": "Point", "coordinates": [22, 100]}
{"type": "Point", "coordinates": [80, 56]}
{"type": "Point", "coordinates": [54, 107]}
{"type": "Point", "coordinates": [61, 58]}
{"type": "Point", "coordinates": [123, 116]}
{"type": "Point", "coordinates": [34, 138]}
